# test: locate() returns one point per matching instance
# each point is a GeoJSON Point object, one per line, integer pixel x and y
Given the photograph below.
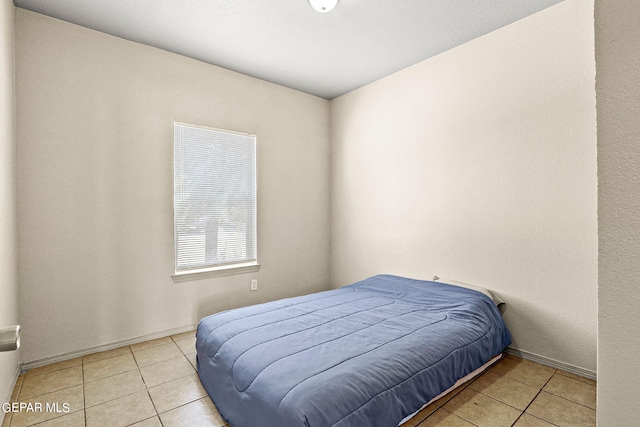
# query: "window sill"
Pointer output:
{"type": "Point", "coordinates": [216, 272]}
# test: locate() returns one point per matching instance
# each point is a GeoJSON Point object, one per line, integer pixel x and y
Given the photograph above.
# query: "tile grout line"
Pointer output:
{"type": "Point", "coordinates": [561, 397]}
{"type": "Point", "coordinates": [534, 398]}
{"type": "Point", "coordinates": [146, 388]}
{"type": "Point", "coordinates": [580, 378]}
{"type": "Point", "coordinates": [53, 391]}
{"type": "Point", "coordinates": [452, 397]}
{"type": "Point", "coordinates": [521, 382]}
{"type": "Point", "coordinates": [448, 412]}
{"type": "Point", "coordinates": [505, 403]}
{"type": "Point", "coordinates": [26, 374]}
{"type": "Point", "coordinates": [567, 399]}
{"type": "Point", "coordinates": [556, 371]}
{"type": "Point", "coordinates": [106, 358]}
{"type": "Point", "coordinates": [83, 363]}
{"type": "Point", "coordinates": [466, 385]}
{"type": "Point", "coordinates": [522, 411]}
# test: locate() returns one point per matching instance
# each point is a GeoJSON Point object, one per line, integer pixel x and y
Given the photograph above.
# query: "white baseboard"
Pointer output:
{"type": "Point", "coordinates": [103, 347]}
{"type": "Point", "coordinates": [552, 363]}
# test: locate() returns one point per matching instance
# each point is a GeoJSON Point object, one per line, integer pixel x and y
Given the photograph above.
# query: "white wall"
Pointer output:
{"type": "Point", "coordinates": [95, 232]}
{"type": "Point", "coordinates": [8, 253]}
{"type": "Point", "coordinates": [480, 164]}
{"type": "Point", "coordinates": [617, 43]}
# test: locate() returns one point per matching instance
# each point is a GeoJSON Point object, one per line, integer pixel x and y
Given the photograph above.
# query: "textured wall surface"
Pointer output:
{"type": "Point", "coordinates": [617, 41]}
{"type": "Point", "coordinates": [95, 186]}
{"type": "Point", "coordinates": [8, 254]}
{"type": "Point", "coordinates": [480, 165]}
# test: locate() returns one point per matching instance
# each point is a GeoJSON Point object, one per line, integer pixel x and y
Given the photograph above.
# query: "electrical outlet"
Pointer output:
{"type": "Point", "coordinates": [254, 284]}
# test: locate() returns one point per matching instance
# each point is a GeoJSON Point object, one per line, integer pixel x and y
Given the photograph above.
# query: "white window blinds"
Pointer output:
{"type": "Point", "coordinates": [214, 198]}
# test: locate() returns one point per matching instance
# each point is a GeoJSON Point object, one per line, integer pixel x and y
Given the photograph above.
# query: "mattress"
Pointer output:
{"type": "Point", "coordinates": [370, 353]}
{"type": "Point", "coordinates": [458, 383]}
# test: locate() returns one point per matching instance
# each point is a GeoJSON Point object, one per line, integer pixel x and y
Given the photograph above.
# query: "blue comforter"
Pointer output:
{"type": "Point", "coordinates": [368, 354]}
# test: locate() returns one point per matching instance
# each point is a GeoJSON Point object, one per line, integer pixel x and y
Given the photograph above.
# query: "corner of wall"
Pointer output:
{"type": "Point", "coordinates": [9, 361]}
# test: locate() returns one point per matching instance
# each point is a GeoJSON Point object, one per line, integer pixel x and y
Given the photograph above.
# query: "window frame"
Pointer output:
{"type": "Point", "coordinates": [222, 269]}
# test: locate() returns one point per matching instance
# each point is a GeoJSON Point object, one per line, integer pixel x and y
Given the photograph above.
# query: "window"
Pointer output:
{"type": "Point", "coordinates": [214, 200]}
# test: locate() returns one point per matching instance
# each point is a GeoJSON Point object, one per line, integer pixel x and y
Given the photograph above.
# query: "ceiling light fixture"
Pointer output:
{"type": "Point", "coordinates": [323, 6]}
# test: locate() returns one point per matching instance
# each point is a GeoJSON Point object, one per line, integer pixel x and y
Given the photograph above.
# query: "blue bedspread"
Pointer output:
{"type": "Point", "coordinates": [368, 354]}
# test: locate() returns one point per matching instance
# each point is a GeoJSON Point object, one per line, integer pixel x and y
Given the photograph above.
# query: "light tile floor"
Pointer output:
{"type": "Point", "coordinates": [155, 384]}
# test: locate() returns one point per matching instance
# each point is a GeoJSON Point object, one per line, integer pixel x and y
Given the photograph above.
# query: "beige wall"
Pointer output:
{"type": "Point", "coordinates": [490, 178]}
{"type": "Point", "coordinates": [8, 255]}
{"type": "Point", "coordinates": [617, 43]}
{"type": "Point", "coordinates": [94, 134]}
{"type": "Point", "coordinates": [480, 165]}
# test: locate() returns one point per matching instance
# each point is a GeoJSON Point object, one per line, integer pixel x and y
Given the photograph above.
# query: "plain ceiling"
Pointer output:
{"type": "Point", "coordinates": [287, 42]}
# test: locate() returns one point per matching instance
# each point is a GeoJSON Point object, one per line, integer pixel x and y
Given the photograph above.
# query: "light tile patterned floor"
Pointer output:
{"type": "Point", "coordinates": [154, 384]}
{"type": "Point", "coordinates": [151, 384]}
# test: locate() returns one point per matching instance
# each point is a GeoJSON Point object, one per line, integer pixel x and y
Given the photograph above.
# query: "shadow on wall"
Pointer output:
{"type": "Point", "coordinates": [537, 326]}
{"type": "Point", "coordinates": [207, 307]}
{"type": "Point", "coordinates": [218, 303]}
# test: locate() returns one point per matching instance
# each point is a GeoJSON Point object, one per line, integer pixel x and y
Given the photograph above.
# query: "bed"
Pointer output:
{"type": "Point", "coordinates": [368, 354]}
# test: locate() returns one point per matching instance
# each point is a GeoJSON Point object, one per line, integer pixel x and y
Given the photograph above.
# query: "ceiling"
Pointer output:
{"type": "Point", "coordinates": [287, 42]}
